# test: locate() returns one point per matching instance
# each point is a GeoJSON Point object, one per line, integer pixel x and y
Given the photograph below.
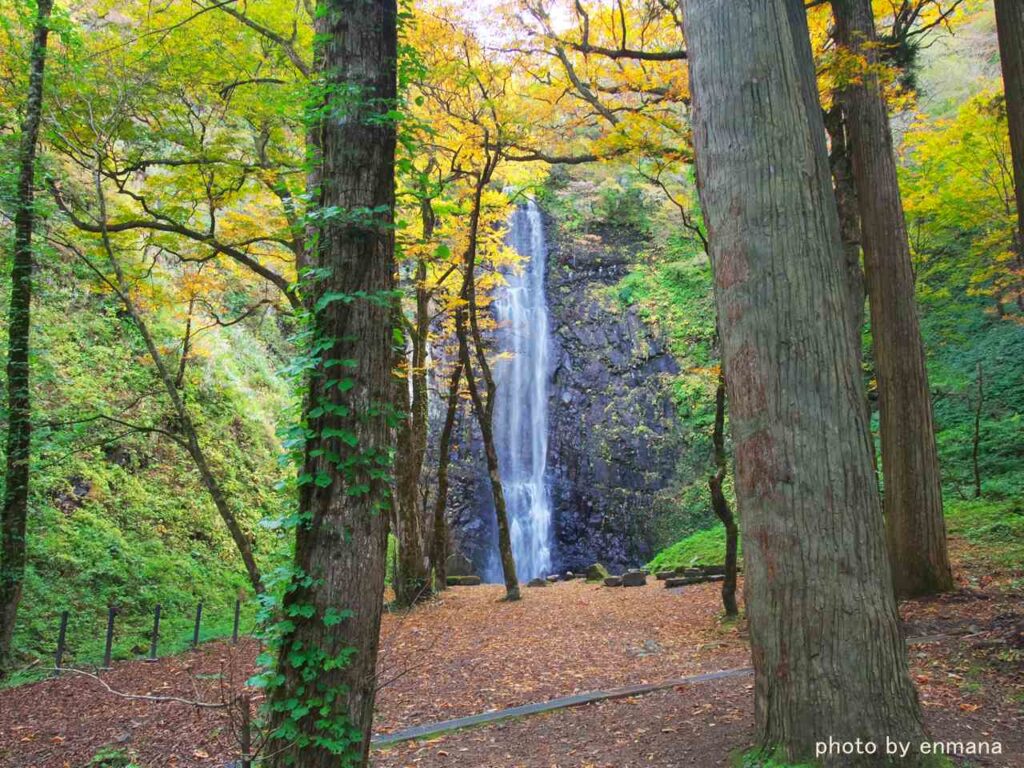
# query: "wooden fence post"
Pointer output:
{"type": "Point", "coordinates": [195, 632]}
{"type": "Point", "coordinates": [58, 659]}
{"type": "Point", "coordinates": [156, 633]}
{"type": "Point", "coordinates": [108, 650]}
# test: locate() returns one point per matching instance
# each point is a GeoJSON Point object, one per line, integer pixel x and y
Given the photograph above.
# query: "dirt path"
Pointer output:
{"type": "Point", "coordinates": [687, 727]}
{"type": "Point", "coordinates": [467, 653]}
{"type": "Point", "coordinates": [461, 654]}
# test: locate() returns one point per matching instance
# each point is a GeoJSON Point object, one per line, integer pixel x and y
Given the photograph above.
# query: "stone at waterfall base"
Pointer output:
{"type": "Point", "coordinates": [683, 581]}
{"type": "Point", "coordinates": [634, 579]}
{"type": "Point", "coordinates": [613, 581]}
{"type": "Point", "coordinates": [463, 581]}
{"type": "Point", "coordinates": [458, 564]}
{"type": "Point", "coordinates": [596, 572]}
{"type": "Point", "coordinates": [538, 582]}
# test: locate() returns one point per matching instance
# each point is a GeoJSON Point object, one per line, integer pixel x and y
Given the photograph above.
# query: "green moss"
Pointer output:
{"type": "Point", "coordinates": [758, 758]}
{"type": "Point", "coordinates": [705, 547]}
{"type": "Point", "coordinates": [120, 517]}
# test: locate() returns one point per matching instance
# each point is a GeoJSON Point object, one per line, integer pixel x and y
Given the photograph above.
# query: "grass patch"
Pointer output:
{"type": "Point", "coordinates": [705, 547]}
{"type": "Point", "coordinates": [759, 758]}
{"type": "Point", "coordinates": [994, 530]}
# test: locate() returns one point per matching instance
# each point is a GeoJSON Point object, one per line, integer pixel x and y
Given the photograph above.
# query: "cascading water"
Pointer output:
{"type": "Point", "coordinates": [521, 418]}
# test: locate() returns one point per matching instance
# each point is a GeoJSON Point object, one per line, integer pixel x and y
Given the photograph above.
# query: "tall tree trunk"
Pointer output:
{"type": "Point", "coordinates": [439, 551]}
{"type": "Point", "coordinates": [321, 709]}
{"type": "Point", "coordinates": [411, 576]}
{"type": "Point", "coordinates": [912, 501]}
{"type": "Point", "coordinates": [483, 405]}
{"type": "Point", "coordinates": [412, 580]}
{"type": "Point", "coordinates": [720, 504]}
{"type": "Point", "coordinates": [1010, 29]}
{"type": "Point", "coordinates": [841, 166]}
{"type": "Point", "coordinates": [186, 427]}
{"type": "Point", "coordinates": [827, 648]}
{"type": "Point", "coordinates": [849, 212]}
{"type": "Point", "coordinates": [19, 323]}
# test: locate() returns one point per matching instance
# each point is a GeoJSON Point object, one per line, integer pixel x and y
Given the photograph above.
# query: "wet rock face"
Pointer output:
{"type": "Point", "coordinates": [613, 439]}
{"type": "Point", "coordinates": [613, 443]}
{"type": "Point", "coordinates": [470, 509]}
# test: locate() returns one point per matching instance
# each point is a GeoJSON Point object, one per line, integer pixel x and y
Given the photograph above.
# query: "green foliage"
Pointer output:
{"type": "Point", "coordinates": [759, 758]}
{"type": "Point", "coordinates": [993, 529]}
{"type": "Point", "coordinates": [705, 547]}
{"type": "Point", "coordinates": [958, 192]}
{"type": "Point", "coordinates": [119, 516]}
{"type": "Point", "coordinates": [602, 196]}
{"type": "Point", "coordinates": [111, 757]}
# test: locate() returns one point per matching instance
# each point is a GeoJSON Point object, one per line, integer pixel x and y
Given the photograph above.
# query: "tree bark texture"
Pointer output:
{"type": "Point", "coordinates": [19, 322]}
{"type": "Point", "coordinates": [827, 648]}
{"type": "Point", "coordinates": [912, 499]}
{"type": "Point", "coordinates": [329, 644]}
{"type": "Point", "coordinates": [1010, 29]}
{"type": "Point", "coordinates": [849, 212]}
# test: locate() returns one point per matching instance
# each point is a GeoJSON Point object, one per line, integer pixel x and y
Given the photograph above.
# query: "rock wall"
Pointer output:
{"type": "Point", "coordinates": [614, 440]}
{"type": "Point", "coordinates": [613, 434]}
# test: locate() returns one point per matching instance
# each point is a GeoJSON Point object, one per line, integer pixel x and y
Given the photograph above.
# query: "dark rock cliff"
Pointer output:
{"type": "Point", "coordinates": [614, 439]}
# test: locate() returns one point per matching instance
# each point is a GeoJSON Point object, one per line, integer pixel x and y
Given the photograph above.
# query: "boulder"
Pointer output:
{"type": "Point", "coordinates": [554, 577]}
{"type": "Point", "coordinates": [692, 572]}
{"type": "Point", "coordinates": [682, 581]}
{"type": "Point", "coordinates": [662, 575]}
{"type": "Point", "coordinates": [713, 570]}
{"type": "Point", "coordinates": [463, 581]}
{"type": "Point", "coordinates": [538, 582]}
{"type": "Point", "coordinates": [613, 581]}
{"type": "Point", "coordinates": [634, 579]}
{"type": "Point", "coordinates": [716, 577]}
{"type": "Point", "coordinates": [458, 564]}
{"type": "Point", "coordinates": [596, 572]}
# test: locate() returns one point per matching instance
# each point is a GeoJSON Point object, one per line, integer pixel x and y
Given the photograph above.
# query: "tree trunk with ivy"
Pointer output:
{"type": "Point", "coordinates": [828, 653]}
{"type": "Point", "coordinates": [323, 688]}
{"type": "Point", "coordinates": [912, 502]}
{"type": "Point", "coordinates": [19, 322]}
{"type": "Point", "coordinates": [1010, 29]}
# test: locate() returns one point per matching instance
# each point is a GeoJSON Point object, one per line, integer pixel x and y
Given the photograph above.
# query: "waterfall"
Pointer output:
{"type": "Point", "coordinates": [521, 418]}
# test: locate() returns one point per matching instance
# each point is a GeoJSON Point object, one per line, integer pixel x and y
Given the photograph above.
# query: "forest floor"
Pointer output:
{"type": "Point", "coordinates": [465, 653]}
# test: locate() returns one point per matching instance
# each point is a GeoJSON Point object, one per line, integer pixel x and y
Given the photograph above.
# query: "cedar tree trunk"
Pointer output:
{"type": "Point", "coordinates": [828, 652]}
{"type": "Point", "coordinates": [912, 501]}
{"type": "Point", "coordinates": [321, 708]}
{"type": "Point", "coordinates": [1010, 29]}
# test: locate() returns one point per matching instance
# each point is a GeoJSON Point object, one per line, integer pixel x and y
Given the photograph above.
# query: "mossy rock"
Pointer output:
{"type": "Point", "coordinates": [463, 581]}
{"type": "Point", "coordinates": [597, 572]}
